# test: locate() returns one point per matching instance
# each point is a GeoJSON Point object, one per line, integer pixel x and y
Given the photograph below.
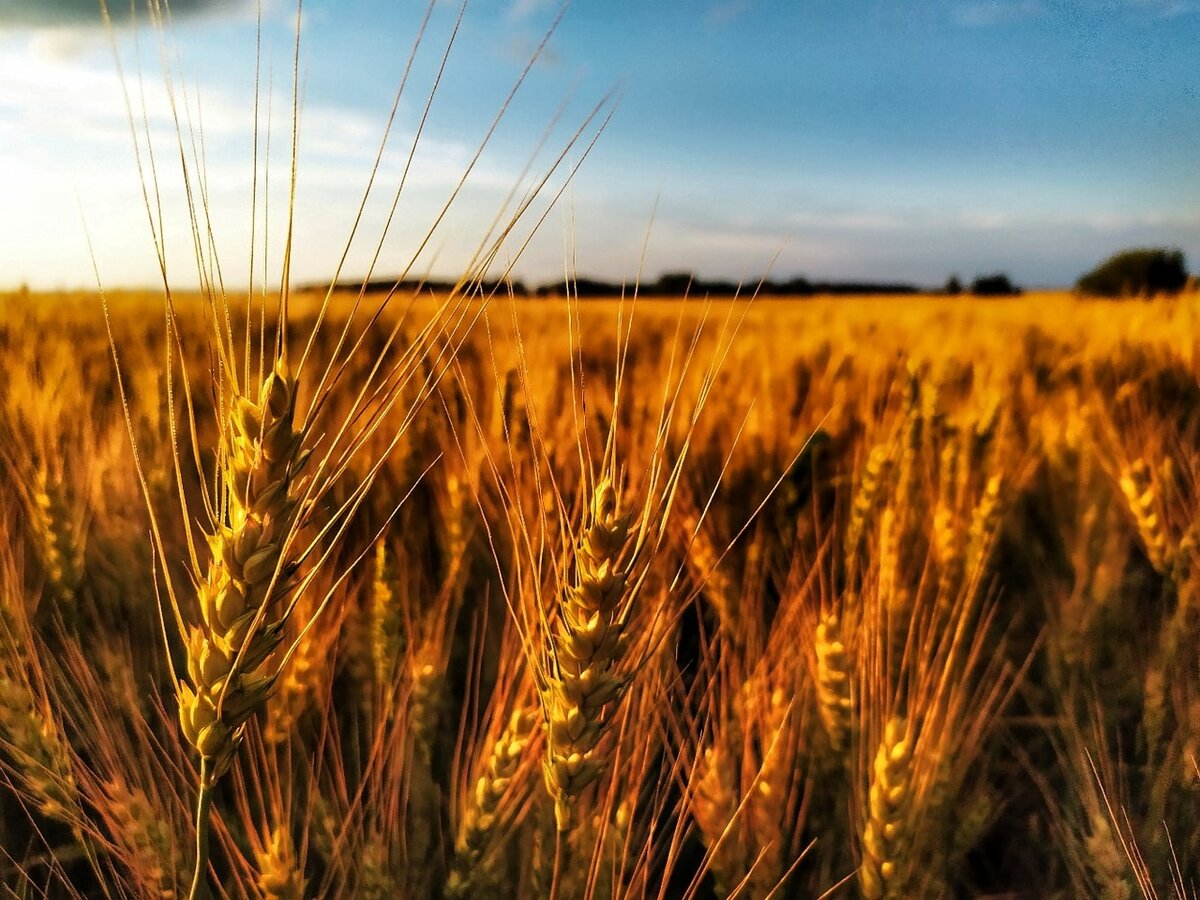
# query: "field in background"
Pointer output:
{"type": "Point", "coordinates": [918, 619]}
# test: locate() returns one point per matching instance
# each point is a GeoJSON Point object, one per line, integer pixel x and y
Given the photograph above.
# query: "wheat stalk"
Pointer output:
{"type": "Point", "coordinates": [243, 592]}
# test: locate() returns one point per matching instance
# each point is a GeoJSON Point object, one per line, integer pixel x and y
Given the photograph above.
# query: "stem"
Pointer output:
{"type": "Point", "coordinates": [203, 802]}
{"type": "Point", "coordinates": [560, 861]}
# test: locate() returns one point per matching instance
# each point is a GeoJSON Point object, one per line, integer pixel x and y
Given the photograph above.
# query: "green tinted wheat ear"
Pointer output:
{"type": "Point", "coordinates": [947, 536]}
{"type": "Point", "coordinates": [715, 799]}
{"type": "Point", "coordinates": [889, 548]}
{"type": "Point", "coordinates": [454, 521]}
{"type": "Point", "coordinates": [768, 804]}
{"type": "Point", "coordinates": [911, 431]}
{"type": "Point", "coordinates": [375, 879]}
{"type": "Point", "coordinates": [885, 834]}
{"type": "Point", "coordinates": [718, 588]}
{"type": "Point", "coordinates": [582, 684]}
{"type": "Point", "coordinates": [481, 820]}
{"type": "Point", "coordinates": [1109, 865]}
{"type": "Point", "coordinates": [38, 751]}
{"type": "Point", "coordinates": [54, 538]}
{"type": "Point", "coordinates": [834, 700]}
{"type": "Point", "coordinates": [386, 631]}
{"type": "Point", "coordinates": [425, 699]}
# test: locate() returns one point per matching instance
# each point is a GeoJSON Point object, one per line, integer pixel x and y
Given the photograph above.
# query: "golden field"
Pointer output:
{"type": "Point", "coordinates": [787, 598]}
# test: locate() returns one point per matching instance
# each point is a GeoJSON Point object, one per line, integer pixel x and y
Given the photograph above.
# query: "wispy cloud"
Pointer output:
{"type": "Point", "coordinates": [520, 47]}
{"type": "Point", "coordinates": [1166, 9]}
{"type": "Point", "coordinates": [526, 9]}
{"type": "Point", "coordinates": [723, 12]}
{"type": "Point", "coordinates": [987, 13]}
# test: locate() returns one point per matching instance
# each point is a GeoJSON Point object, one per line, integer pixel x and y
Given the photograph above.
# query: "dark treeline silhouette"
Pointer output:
{"type": "Point", "coordinates": [997, 285]}
{"type": "Point", "coordinates": [679, 284]}
{"type": "Point", "coordinates": [671, 284]}
{"type": "Point", "coordinates": [1140, 272]}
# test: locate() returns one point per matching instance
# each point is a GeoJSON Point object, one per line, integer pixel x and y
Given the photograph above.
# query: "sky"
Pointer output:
{"type": "Point", "coordinates": [834, 139]}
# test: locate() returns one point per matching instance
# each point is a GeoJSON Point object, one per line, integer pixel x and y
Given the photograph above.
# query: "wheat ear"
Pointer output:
{"type": "Point", "coordinates": [884, 837]}
{"type": "Point", "coordinates": [834, 701]}
{"type": "Point", "coordinates": [582, 683]}
{"type": "Point", "coordinates": [53, 536]}
{"type": "Point", "coordinates": [241, 593]}
{"type": "Point", "coordinates": [482, 816]}
{"type": "Point", "coordinates": [279, 875]}
{"type": "Point", "coordinates": [298, 684]}
{"type": "Point", "coordinates": [1142, 499]}
{"type": "Point", "coordinates": [144, 839]}
{"type": "Point", "coordinates": [866, 498]}
{"type": "Point", "coordinates": [38, 751]}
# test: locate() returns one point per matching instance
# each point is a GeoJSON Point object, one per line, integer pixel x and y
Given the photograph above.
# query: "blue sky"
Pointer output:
{"type": "Point", "coordinates": [896, 139]}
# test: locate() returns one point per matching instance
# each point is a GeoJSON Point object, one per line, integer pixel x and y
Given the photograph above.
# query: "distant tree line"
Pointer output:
{"type": "Point", "coordinates": [671, 284]}
{"type": "Point", "coordinates": [1140, 272]}
{"type": "Point", "coordinates": [678, 284]}
{"type": "Point", "coordinates": [995, 285]}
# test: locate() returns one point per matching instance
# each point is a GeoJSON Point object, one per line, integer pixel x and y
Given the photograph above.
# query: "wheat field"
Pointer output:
{"type": "Point", "coordinates": [780, 598]}
{"type": "Point", "coordinates": [447, 592]}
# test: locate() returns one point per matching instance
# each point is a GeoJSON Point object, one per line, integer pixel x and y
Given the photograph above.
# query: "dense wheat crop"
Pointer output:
{"type": "Point", "coordinates": [881, 598]}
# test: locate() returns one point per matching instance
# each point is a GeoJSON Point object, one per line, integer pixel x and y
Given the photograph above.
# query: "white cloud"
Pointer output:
{"type": "Point", "coordinates": [65, 146]}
